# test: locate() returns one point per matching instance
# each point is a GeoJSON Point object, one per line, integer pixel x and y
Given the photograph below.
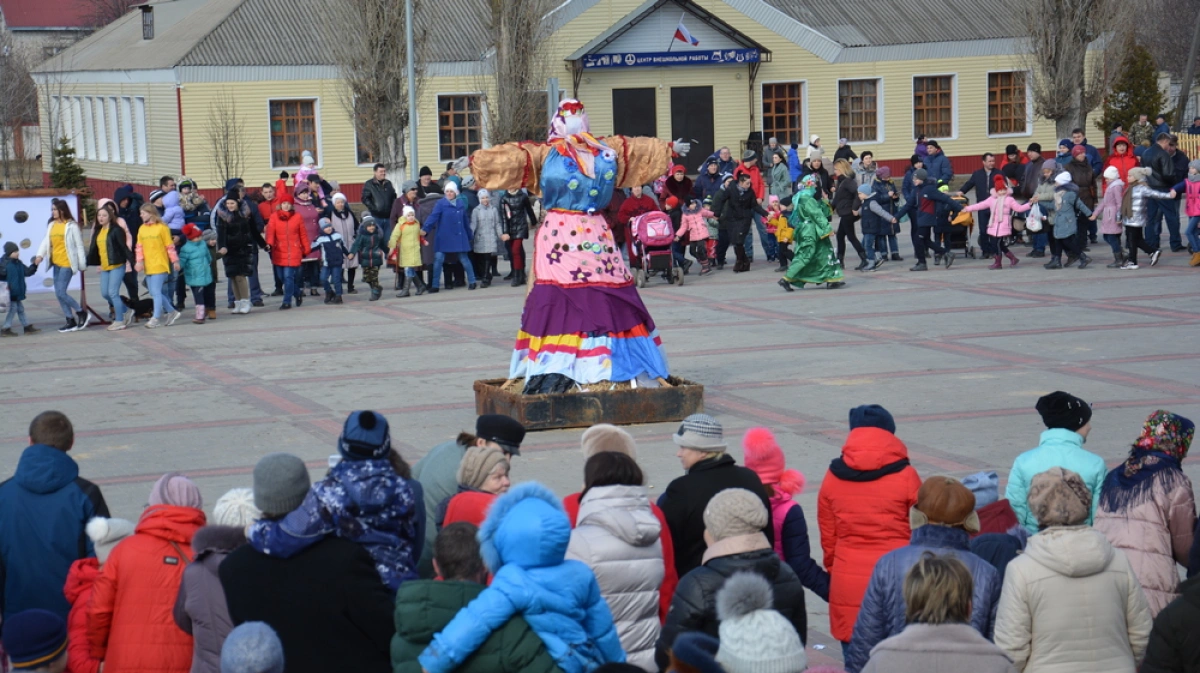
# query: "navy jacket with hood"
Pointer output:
{"type": "Point", "coordinates": [130, 212]}
{"type": "Point", "coordinates": [44, 508]}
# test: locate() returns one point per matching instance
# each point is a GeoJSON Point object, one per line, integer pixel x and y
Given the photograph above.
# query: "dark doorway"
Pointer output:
{"type": "Point", "coordinates": [692, 120]}
{"type": "Point", "coordinates": [635, 112]}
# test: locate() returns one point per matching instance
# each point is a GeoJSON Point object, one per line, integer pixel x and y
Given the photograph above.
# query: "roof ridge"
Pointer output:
{"type": "Point", "coordinates": [195, 45]}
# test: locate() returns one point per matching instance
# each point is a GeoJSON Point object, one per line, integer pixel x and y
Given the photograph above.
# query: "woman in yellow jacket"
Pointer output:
{"type": "Point", "coordinates": [156, 257]}
{"type": "Point", "coordinates": [64, 246]}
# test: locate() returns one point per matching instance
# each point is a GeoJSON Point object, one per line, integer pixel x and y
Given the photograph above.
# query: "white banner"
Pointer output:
{"type": "Point", "coordinates": [23, 220]}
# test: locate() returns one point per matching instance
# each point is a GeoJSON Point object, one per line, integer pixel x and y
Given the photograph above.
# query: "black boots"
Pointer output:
{"type": "Point", "coordinates": [1118, 260]}
{"type": "Point", "coordinates": [422, 288]}
{"type": "Point", "coordinates": [404, 287]}
{"type": "Point", "coordinates": [518, 277]}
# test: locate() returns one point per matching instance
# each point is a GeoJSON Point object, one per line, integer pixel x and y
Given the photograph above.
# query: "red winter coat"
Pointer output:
{"type": "Point", "coordinates": [80, 581]}
{"type": "Point", "coordinates": [670, 578]}
{"type": "Point", "coordinates": [862, 509]}
{"type": "Point", "coordinates": [287, 237]}
{"type": "Point", "coordinates": [469, 506]}
{"type": "Point", "coordinates": [1122, 160]}
{"type": "Point", "coordinates": [131, 624]}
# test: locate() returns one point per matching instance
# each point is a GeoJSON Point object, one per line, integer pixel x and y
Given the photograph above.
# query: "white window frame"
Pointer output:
{"type": "Point", "coordinates": [129, 153]}
{"type": "Point", "coordinates": [804, 134]}
{"type": "Point", "coordinates": [316, 100]}
{"type": "Point", "coordinates": [880, 126]}
{"type": "Point", "coordinates": [101, 128]}
{"type": "Point", "coordinates": [88, 151]}
{"type": "Point", "coordinates": [139, 112]}
{"type": "Point", "coordinates": [114, 129]}
{"type": "Point", "coordinates": [1028, 103]}
{"type": "Point", "coordinates": [437, 115]}
{"type": "Point", "coordinates": [77, 125]}
{"type": "Point", "coordinates": [954, 116]}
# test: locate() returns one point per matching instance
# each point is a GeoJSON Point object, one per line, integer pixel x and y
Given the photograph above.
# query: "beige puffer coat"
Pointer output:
{"type": "Point", "coordinates": [618, 538]}
{"type": "Point", "coordinates": [1071, 604]}
{"type": "Point", "coordinates": [1152, 521]}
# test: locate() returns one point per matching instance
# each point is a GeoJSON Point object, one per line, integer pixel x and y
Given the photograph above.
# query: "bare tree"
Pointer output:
{"type": "Point", "coordinates": [1166, 28]}
{"type": "Point", "coordinates": [226, 136]}
{"type": "Point", "coordinates": [520, 68]}
{"type": "Point", "coordinates": [1065, 85]}
{"type": "Point", "coordinates": [18, 107]}
{"type": "Point", "coordinates": [367, 41]}
{"type": "Point", "coordinates": [100, 13]}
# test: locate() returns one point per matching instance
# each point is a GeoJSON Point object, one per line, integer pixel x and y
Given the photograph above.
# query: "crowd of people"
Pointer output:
{"type": "Point", "coordinates": [445, 565]}
{"type": "Point", "coordinates": [449, 233]}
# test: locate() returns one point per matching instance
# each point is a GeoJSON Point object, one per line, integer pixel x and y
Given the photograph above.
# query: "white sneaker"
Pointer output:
{"type": "Point", "coordinates": [129, 317]}
{"type": "Point", "coordinates": [116, 327]}
{"type": "Point", "coordinates": [243, 306]}
{"type": "Point", "coordinates": [1129, 266]}
{"type": "Point", "coordinates": [173, 317]}
{"type": "Point", "coordinates": [1154, 257]}
{"type": "Point", "coordinates": [153, 323]}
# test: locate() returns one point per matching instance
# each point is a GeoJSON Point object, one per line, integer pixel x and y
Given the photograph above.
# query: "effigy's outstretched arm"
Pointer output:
{"type": "Point", "coordinates": [510, 166]}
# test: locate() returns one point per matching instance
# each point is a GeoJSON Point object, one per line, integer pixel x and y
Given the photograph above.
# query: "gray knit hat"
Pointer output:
{"type": "Point", "coordinates": [280, 483]}
{"type": "Point", "coordinates": [252, 647]}
{"type": "Point", "coordinates": [733, 512]}
{"type": "Point", "coordinates": [749, 155]}
{"type": "Point", "coordinates": [477, 464]}
{"type": "Point", "coordinates": [755, 638]}
{"type": "Point", "coordinates": [700, 432]}
{"type": "Point", "coordinates": [921, 174]}
{"type": "Point", "coordinates": [106, 533]}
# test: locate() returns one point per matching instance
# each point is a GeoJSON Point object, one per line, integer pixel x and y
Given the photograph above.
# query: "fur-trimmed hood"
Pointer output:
{"type": "Point", "coordinates": [213, 538]}
{"type": "Point", "coordinates": [526, 526]}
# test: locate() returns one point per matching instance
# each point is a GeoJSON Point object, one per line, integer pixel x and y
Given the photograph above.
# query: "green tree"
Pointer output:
{"type": "Point", "coordinates": [1134, 92]}
{"type": "Point", "coordinates": [65, 173]}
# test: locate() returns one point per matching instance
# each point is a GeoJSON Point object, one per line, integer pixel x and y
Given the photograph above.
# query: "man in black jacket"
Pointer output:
{"type": "Point", "coordinates": [1162, 177]}
{"type": "Point", "coordinates": [378, 194]}
{"type": "Point", "coordinates": [327, 603]}
{"type": "Point", "coordinates": [981, 180]}
{"type": "Point", "coordinates": [740, 206]}
{"type": "Point", "coordinates": [129, 208]}
{"type": "Point", "coordinates": [710, 470]}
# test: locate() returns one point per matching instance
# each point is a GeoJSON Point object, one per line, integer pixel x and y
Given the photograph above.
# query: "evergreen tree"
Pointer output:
{"type": "Point", "coordinates": [1134, 92]}
{"type": "Point", "coordinates": [64, 172]}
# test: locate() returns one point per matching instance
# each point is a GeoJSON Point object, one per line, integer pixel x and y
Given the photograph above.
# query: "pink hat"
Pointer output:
{"type": "Point", "coordinates": [175, 489]}
{"type": "Point", "coordinates": [773, 199]}
{"type": "Point", "coordinates": [763, 455]}
{"type": "Point", "coordinates": [1078, 150]}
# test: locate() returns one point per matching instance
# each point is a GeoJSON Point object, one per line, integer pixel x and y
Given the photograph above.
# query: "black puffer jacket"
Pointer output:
{"type": "Point", "coordinates": [117, 250]}
{"type": "Point", "coordinates": [694, 607]}
{"type": "Point", "coordinates": [845, 197]}
{"type": "Point", "coordinates": [237, 233]}
{"type": "Point", "coordinates": [739, 209]}
{"type": "Point", "coordinates": [517, 212]}
{"type": "Point", "coordinates": [1174, 647]}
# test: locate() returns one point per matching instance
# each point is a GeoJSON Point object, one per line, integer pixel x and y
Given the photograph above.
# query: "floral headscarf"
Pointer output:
{"type": "Point", "coordinates": [808, 183]}
{"type": "Point", "coordinates": [1163, 433]}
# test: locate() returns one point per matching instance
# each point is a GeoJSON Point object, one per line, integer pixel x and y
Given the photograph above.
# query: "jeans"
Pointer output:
{"type": "Point", "coordinates": [1040, 241]}
{"type": "Point", "coordinates": [439, 258]}
{"type": "Point", "coordinates": [678, 254]}
{"type": "Point", "coordinates": [311, 274]}
{"type": "Point", "coordinates": [110, 289]}
{"type": "Point", "coordinates": [1157, 209]}
{"type": "Point", "coordinates": [769, 245]}
{"type": "Point", "coordinates": [1193, 235]}
{"type": "Point", "coordinates": [290, 287]}
{"type": "Point", "coordinates": [1114, 242]}
{"type": "Point", "coordinates": [160, 293]}
{"type": "Point", "coordinates": [62, 278]}
{"type": "Point", "coordinates": [256, 293]}
{"type": "Point", "coordinates": [331, 279]}
{"type": "Point", "coordinates": [869, 242]}
{"type": "Point", "coordinates": [16, 308]}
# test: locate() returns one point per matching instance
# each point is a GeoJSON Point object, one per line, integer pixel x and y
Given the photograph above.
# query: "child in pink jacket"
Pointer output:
{"type": "Point", "coordinates": [1109, 214]}
{"type": "Point", "coordinates": [692, 225]}
{"type": "Point", "coordinates": [999, 228]}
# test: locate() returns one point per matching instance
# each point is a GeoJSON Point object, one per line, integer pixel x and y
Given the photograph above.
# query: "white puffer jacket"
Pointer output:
{"type": "Point", "coordinates": [73, 239]}
{"type": "Point", "coordinates": [1071, 604]}
{"type": "Point", "coordinates": [618, 537]}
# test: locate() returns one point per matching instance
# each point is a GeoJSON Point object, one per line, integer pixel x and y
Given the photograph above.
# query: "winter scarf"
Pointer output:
{"type": "Point", "coordinates": [1162, 446]}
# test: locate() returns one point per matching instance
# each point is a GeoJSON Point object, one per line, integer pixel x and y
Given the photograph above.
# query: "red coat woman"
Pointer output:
{"type": "Point", "coordinates": [862, 510]}
{"type": "Point", "coordinates": [287, 236]}
{"type": "Point", "coordinates": [131, 626]}
{"type": "Point", "coordinates": [1122, 157]}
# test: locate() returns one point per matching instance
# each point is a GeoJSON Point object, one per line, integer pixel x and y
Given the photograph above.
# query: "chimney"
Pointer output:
{"type": "Point", "coordinates": [147, 22]}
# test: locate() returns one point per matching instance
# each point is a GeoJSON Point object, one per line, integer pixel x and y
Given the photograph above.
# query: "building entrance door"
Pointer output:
{"type": "Point", "coordinates": [692, 120]}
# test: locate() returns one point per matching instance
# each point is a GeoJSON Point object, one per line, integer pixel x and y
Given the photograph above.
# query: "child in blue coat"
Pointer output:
{"type": "Point", "coordinates": [197, 262]}
{"type": "Point", "coordinates": [524, 543]}
{"type": "Point", "coordinates": [333, 258]}
{"type": "Point", "coordinates": [14, 272]}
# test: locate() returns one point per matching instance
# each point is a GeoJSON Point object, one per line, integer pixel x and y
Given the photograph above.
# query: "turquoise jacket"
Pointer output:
{"type": "Point", "coordinates": [1058, 448]}
{"type": "Point", "coordinates": [195, 259]}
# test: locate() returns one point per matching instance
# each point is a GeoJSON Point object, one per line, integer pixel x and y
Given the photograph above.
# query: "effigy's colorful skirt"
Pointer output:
{"type": "Point", "coordinates": [583, 318]}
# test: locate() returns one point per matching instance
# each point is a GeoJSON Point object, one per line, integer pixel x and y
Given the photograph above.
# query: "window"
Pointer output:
{"type": "Point", "coordinates": [1007, 112]}
{"type": "Point", "coordinates": [114, 129]}
{"type": "Point", "coordinates": [139, 120]}
{"type": "Point", "coordinates": [460, 126]}
{"type": "Point", "coordinates": [781, 112]}
{"type": "Point", "coordinates": [101, 130]}
{"type": "Point", "coordinates": [77, 125]}
{"type": "Point", "coordinates": [293, 130]}
{"type": "Point", "coordinates": [933, 106]}
{"type": "Point", "coordinates": [127, 128]}
{"type": "Point", "coordinates": [858, 110]}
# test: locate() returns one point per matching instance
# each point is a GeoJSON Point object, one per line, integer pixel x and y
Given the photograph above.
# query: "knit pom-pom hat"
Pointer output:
{"type": "Point", "coordinates": [763, 455]}
{"type": "Point", "coordinates": [754, 637]}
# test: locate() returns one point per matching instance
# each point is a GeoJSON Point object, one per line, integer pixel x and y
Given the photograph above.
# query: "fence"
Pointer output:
{"type": "Point", "coordinates": [1190, 145]}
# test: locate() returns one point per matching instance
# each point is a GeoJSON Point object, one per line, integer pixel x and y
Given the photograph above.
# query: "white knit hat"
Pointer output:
{"type": "Point", "coordinates": [755, 638]}
{"type": "Point", "coordinates": [106, 533]}
{"type": "Point", "coordinates": [1111, 173]}
{"type": "Point", "coordinates": [1062, 178]}
{"type": "Point", "coordinates": [341, 196]}
{"type": "Point", "coordinates": [236, 508]}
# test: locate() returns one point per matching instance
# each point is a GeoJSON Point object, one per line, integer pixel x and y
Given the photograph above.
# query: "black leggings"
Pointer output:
{"type": "Point", "coordinates": [922, 240]}
{"type": "Point", "coordinates": [1137, 241]}
{"type": "Point", "coordinates": [846, 230]}
{"type": "Point", "coordinates": [996, 244]}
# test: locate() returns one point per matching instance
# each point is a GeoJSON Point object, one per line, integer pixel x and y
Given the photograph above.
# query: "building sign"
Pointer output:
{"type": "Point", "coordinates": [666, 58]}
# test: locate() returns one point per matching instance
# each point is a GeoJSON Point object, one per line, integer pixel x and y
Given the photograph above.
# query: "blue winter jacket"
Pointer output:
{"type": "Point", "coordinates": [938, 167]}
{"type": "Point", "coordinates": [882, 614]}
{"type": "Point", "coordinates": [1058, 448]}
{"type": "Point", "coordinates": [173, 212]}
{"type": "Point", "coordinates": [453, 227]}
{"type": "Point", "coordinates": [794, 167]}
{"type": "Point", "coordinates": [363, 501]}
{"type": "Point", "coordinates": [524, 543]}
{"type": "Point", "coordinates": [44, 508]}
{"type": "Point", "coordinates": [14, 272]}
{"type": "Point", "coordinates": [797, 553]}
{"type": "Point", "coordinates": [196, 261]}
{"type": "Point", "coordinates": [922, 207]}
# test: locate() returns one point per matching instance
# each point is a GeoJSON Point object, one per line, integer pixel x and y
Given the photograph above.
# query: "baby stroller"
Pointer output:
{"type": "Point", "coordinates": [962, 229]}
{"type": "Point", "coordinates": [650, 248]}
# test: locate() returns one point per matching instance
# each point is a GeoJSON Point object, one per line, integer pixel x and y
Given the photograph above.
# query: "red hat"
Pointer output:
{"type": "Point", "coordinates": [671, 202]}
{"type": "Point", "coordinates": [763, 455]}
{"type": "Point", "coordinates": [191, 231]}
{"type": "Point", "coordinates": [677, 168]}
{"type": "Point", "coordinates": [1078, 150]}
{"type": "Point", "coordinates": [999, 183]}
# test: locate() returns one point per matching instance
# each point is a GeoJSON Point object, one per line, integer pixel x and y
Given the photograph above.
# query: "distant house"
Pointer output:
{"type": "Point", "coordinates": [877, 73]}
{"type": "Point", "coordinates": [45, 27]}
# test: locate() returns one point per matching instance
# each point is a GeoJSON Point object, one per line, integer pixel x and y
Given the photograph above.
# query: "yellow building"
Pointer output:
{"type": "Point", "coordinates": [142, 97]}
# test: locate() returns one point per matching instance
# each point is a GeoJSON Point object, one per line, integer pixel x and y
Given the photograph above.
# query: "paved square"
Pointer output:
{"type": "Point", "coordinates": [958, 356]}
